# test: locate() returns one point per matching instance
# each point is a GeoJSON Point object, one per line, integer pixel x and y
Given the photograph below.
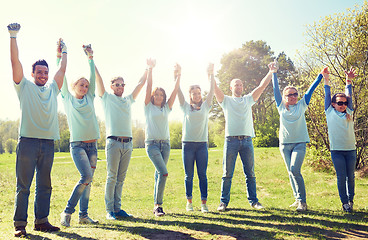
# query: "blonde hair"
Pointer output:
{"type": "Point", "coordinates": [77, 81]}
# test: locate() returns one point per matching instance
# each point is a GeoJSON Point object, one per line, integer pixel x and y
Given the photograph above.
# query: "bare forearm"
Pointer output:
{"type": "Point", "coordinates": [14, 58]}
{"type": "Point", "coordinates": [99, 83]}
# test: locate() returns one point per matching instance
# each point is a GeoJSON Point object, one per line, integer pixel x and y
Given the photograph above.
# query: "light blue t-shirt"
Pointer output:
{"type": "Point", "coordinates": [80, 113]}
{"type": "Point", "coordinates": [195, 125]}
{"type": "Point", "coordinates": [340, 130]}
{"type": "Point", "coordinates": [118, 118]}
{"type": "Point", "coordinates": [157, 122]}
{"type": "Point", "coordinates": [293, 127]}
{"type": "Point", "coordinates": [238, 115]}
{"type": "Point", "coordinates": [38, 105]}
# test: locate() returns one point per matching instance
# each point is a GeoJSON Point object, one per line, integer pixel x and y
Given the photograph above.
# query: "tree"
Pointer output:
{"type": "Point", "coordinates": [338, 42]}
{"type": "Point", "coordinates": [138, 137]}
{"type": "Point", "coordinates": [175, 134]}
{"type": "Point", "coordinates": [10, 145]}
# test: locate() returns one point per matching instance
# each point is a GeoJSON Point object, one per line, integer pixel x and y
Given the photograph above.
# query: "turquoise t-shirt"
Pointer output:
{"type": "Point", "coordinates": [38, 105]}
{"type": "Point", "coordinates": [293, 127]}
{"type": "Point", "coordinates": [81, 114]}
{"type": "Point", "coordinates": [195, 125]}
{"type": "Point", "coordinates": [118, 117]}
{"type": "Point", "coordinates": [238, 115]}
{"type": "Point", "coordinates": [157, 122]}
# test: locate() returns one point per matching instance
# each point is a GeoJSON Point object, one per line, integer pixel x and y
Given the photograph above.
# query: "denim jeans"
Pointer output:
{"type": "Point", "coordinates": [244, 147]}
{"type": "Point", "coordinates": [195, 152]}
{"type": "Point", "coordinates": [293, 154]}
{"type": "Point", "coordinates": [85, 158]}
{"type": "Point", "coordinates": [33, 154]}
{"type": "Point", "coordinates": [159, 151]}
{"type": "Point", "coordinates": [344, 163]}
{"type": "Point", "coordinates": [118, 156]}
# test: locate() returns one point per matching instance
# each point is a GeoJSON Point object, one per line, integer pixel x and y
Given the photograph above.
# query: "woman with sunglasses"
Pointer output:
{"type": "Point", "coordinates": [157, 111]}
{"type": "Point", "coordinates": [195, 138]}
{"type": "Point", "coordinates": [340, 125]}
{"type": "Point", "coordinates": [84, 132]}
{"type": "Point", "coordinates": [293, 135]}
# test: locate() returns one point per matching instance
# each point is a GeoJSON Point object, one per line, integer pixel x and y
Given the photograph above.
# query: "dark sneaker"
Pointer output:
{"type": "Point", "coordinates": [122, 214]}
{"type": "Point", "coordinates": [159, 212]}
{"type": "Point", "coordinates": [46, 227]}
{"type": "Point", "coordinates": [20, 231]}
{"type": "Point", "coordinates": [351, 204]}
{"type": "Point", "coordinates": [110, 216]}
{"type": "Point", "coordinates": [346, 208]}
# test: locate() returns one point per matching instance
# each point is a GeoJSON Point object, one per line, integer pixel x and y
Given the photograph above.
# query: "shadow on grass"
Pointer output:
{"type": "Point", "coordinates": [73, 236]}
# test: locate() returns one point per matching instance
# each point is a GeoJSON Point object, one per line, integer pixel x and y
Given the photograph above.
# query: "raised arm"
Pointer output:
{"type": "Point", "coordinates": [99, 83]}
{"type": "Point", "coordinates": [256, 93]}
{"type": "Point", "coordinates": [211, 78]}
{"type": "Point", "coordinates": [180, 93]}
{"type": "Point", "coordinates": [92, 78]}
{"type": "Point", "coordinates": [61, 54]}
{"type": "Point", "coordinates": [308, 94]}
{"type": "Point", "coordinates": [219, 94]}
{"type": "Point", "coordinates": [172, 97]}
{"type": "Point", "coordinates": [13, 29]}
{"type": "Point", "coordinates": [140, 85]}
{"type": "Point", "coordinates": [326, 77]}
{"type": "Point", "coordinates": [276, 89]}
{"type": "Point", "coordinates": [350, 75]}
{"type": "Point", "coordinates": [151, 63]}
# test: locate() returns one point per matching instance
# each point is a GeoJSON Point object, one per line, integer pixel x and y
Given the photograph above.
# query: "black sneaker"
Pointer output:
{"type": "Point", "coordinates": [351, 204]}
{"type": "Point", "coordinates": [346, 207]}
{"type": "Point", "coordinates": [159, 212]}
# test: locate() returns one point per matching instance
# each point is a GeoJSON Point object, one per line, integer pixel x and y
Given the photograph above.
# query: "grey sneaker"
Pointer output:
{"type": "Point", "coordinates": [221, 207]}
{"type": "Point", "coordinates": [189, 207]}
{"type": "Point", "coordinates": [204, 208]}
{"type": "Point", "coordinates": [257, 205]}
{"type": "Point", "coordinates": [295, 204]}
{"type": "Point", "coordinates": [65, 219]}
{"type": "Point", "coordinates": [159, 212]}
{"type": "Point", "coordinates": [346, 207]}
{"type": "Point", "coordinates": [87, 220]}
{"type": "Point", "coordinates": [351, 204]}
{"type": "Point", "coordinates": [302, 207]}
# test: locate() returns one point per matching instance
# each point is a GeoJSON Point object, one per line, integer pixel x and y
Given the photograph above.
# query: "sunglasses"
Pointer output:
{"type": "Point", "coordinates": [292, 95]}
{"type": "Point", "coordinates": [119, 85]}
{"type": "Point", "coordinates": [342, 103]}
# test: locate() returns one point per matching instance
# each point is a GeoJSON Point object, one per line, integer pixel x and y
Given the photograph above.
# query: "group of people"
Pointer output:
{"type": "Point", "coordinates": [39, 129]}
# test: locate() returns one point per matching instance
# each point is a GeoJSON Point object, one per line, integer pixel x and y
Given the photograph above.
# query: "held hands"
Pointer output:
{"type": "Point", "coordinates": [177, 70]}
{"type": "Point", "coordinates": [350, 75]}
{"type": "Point", "coordinates": [13, 29]}
{"type": "Point", "coordinates": [326, 75]}
{"type": "Point", "coordinates": [88, 51]}
{"type": "Point", "coordinates": [151, 63]}
{"type": "Point", "coordinates": [273, 66]}
{"type": "Point", "coordinates": [61, 47]}
{"type": "Point", "coordinates": [210, 69]}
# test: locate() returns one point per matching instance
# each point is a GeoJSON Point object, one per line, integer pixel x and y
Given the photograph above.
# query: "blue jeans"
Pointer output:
{"type": "Point", "coordinates": [159, 151]}
{"type": "Point", "coordinates": [344, 163]}
{"type": "Point", "coordinates": [118, 156]}
{"type": "Point", "coordinates": [293, 154]}
{"type": "Point", "coordinates": [33, 154]}
{"type": "Point", "coordinates": [85, 158]}
{"type": "Point", "coordinates": [195, 152]}
{"type": "Point", "coordinates": [244, 147]}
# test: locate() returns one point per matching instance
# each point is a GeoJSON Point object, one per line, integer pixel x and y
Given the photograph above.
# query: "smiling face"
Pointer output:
{"type": "Point", "coordinates": [40, 75]}
{"type": "Point", "coordinates": [80, 88]}
{"type": "Point", "coordinates": [341, 104]}
{"type": "Point", "coordinates": [195, 95]}
{"type": "Point", "coordinates": [290, 96]}
{"type": "Point", "coordinates": [118, 87]}
{"type": "Point", "coordinates": [158, 97]}
{"type": "Point", "coordinates": [236, 87]}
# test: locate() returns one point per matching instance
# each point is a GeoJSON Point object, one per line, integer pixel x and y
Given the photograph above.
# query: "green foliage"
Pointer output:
{"type": "Point", "coordinates": [338, 42]}
{"type": "Point", "coordinates": [175, 134]}
{"type": "Point", "coordinates": [267, 133]}
{"type": "Point", "coordinates": [138, 137]}
{"type": "Point", "coordinates": [10, 145]}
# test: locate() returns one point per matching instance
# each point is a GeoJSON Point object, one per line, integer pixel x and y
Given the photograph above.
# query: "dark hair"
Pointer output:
{"type": "Point", "coordinates": [192, 87]}
{"type": "Point", "coordinates": [116, 78]}
{"type": "Point", "coordinates": [153, 93]}
{"type": "Point", "coordinates": [41, 62]}
{"type": "Point", "coordinates": [339, 95]}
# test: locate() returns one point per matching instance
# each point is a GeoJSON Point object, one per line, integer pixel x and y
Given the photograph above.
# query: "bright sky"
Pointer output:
{"type": "Point", "coordinates": [125, 33]}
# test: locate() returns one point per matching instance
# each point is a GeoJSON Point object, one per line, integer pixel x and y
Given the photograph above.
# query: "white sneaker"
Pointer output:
{"type": "Point", "coordinates": [189, 207]}
{"type": "Point", "coordinates": [222, 207]}
{"type": "Point", "coordinates": [257, 205]}
{"type": "Point", "coordinates": [204, 208]}
{"type": "Point", "coordinates": [295, 204]}
{"type": "Point", "coordinates": [87, 220]}
{"type": "Point", "coordinates": [65, 219]}
{"type": "Point", "coordinates": [302, 207]}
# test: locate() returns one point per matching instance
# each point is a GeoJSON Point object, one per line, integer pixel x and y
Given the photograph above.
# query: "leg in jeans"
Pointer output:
{"type": "Point", "coordinates": [247, 157]}
{"type": "Point", "coordinates": [27, 151]}
{"type": "Point", "coordinates": [188, 161]}
{"type": "Point", "coordinates": [231, 149]}
{"type": "Point", "coordinates": [159, 153]}
{"type": "Point", "coordinates": [202, 162]}
{"type": "Point", "coordinates": [350, 172]}
{"type": "Point", "coordinates": [43, 181]}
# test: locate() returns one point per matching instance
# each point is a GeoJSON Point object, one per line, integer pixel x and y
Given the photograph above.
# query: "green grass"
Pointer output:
{"type": "Point", "coordinates": [323, 220]}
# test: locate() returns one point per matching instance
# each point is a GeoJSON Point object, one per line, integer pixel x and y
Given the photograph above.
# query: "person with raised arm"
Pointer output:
{"type": "Point", "coordinates": [156, 111]}
{"type": "Point", "coordinates": [239, 132]}
{"type": "Point", "coordinates": [195, 138]}
{"type": "Point", "coordinates": [39, 128]}
{"type": "Point", "coordinates": [293, 135]}
{"type": "Point", "coordinates": [340, 124]}
{"type": "Point", "coordinates": [84, 132]}
{"type": "Point", "coordinates": [119, 145]}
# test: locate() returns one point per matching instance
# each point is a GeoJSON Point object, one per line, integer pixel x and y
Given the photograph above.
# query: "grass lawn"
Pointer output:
{"type": "Point", "coordinates": [323, 220]}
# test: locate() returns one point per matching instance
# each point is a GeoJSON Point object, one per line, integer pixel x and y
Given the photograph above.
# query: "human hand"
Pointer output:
{"type": "Point", "coordinates": [151, 63]}
{"type": "Point", "coordinates": [273, 66]}
{"type": "Point", "coordinates": [61, 47]}
{"type": "Point", "coordinates": [350, 75]}
{"type": "Point", "coordinates": [88, 51]}
{"type": "Point", "coordinates": [13, 29]}
{"type": "Point", "coordinates": [210, 68]}
{"type": "Point", "coordinates": [177, 70]}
